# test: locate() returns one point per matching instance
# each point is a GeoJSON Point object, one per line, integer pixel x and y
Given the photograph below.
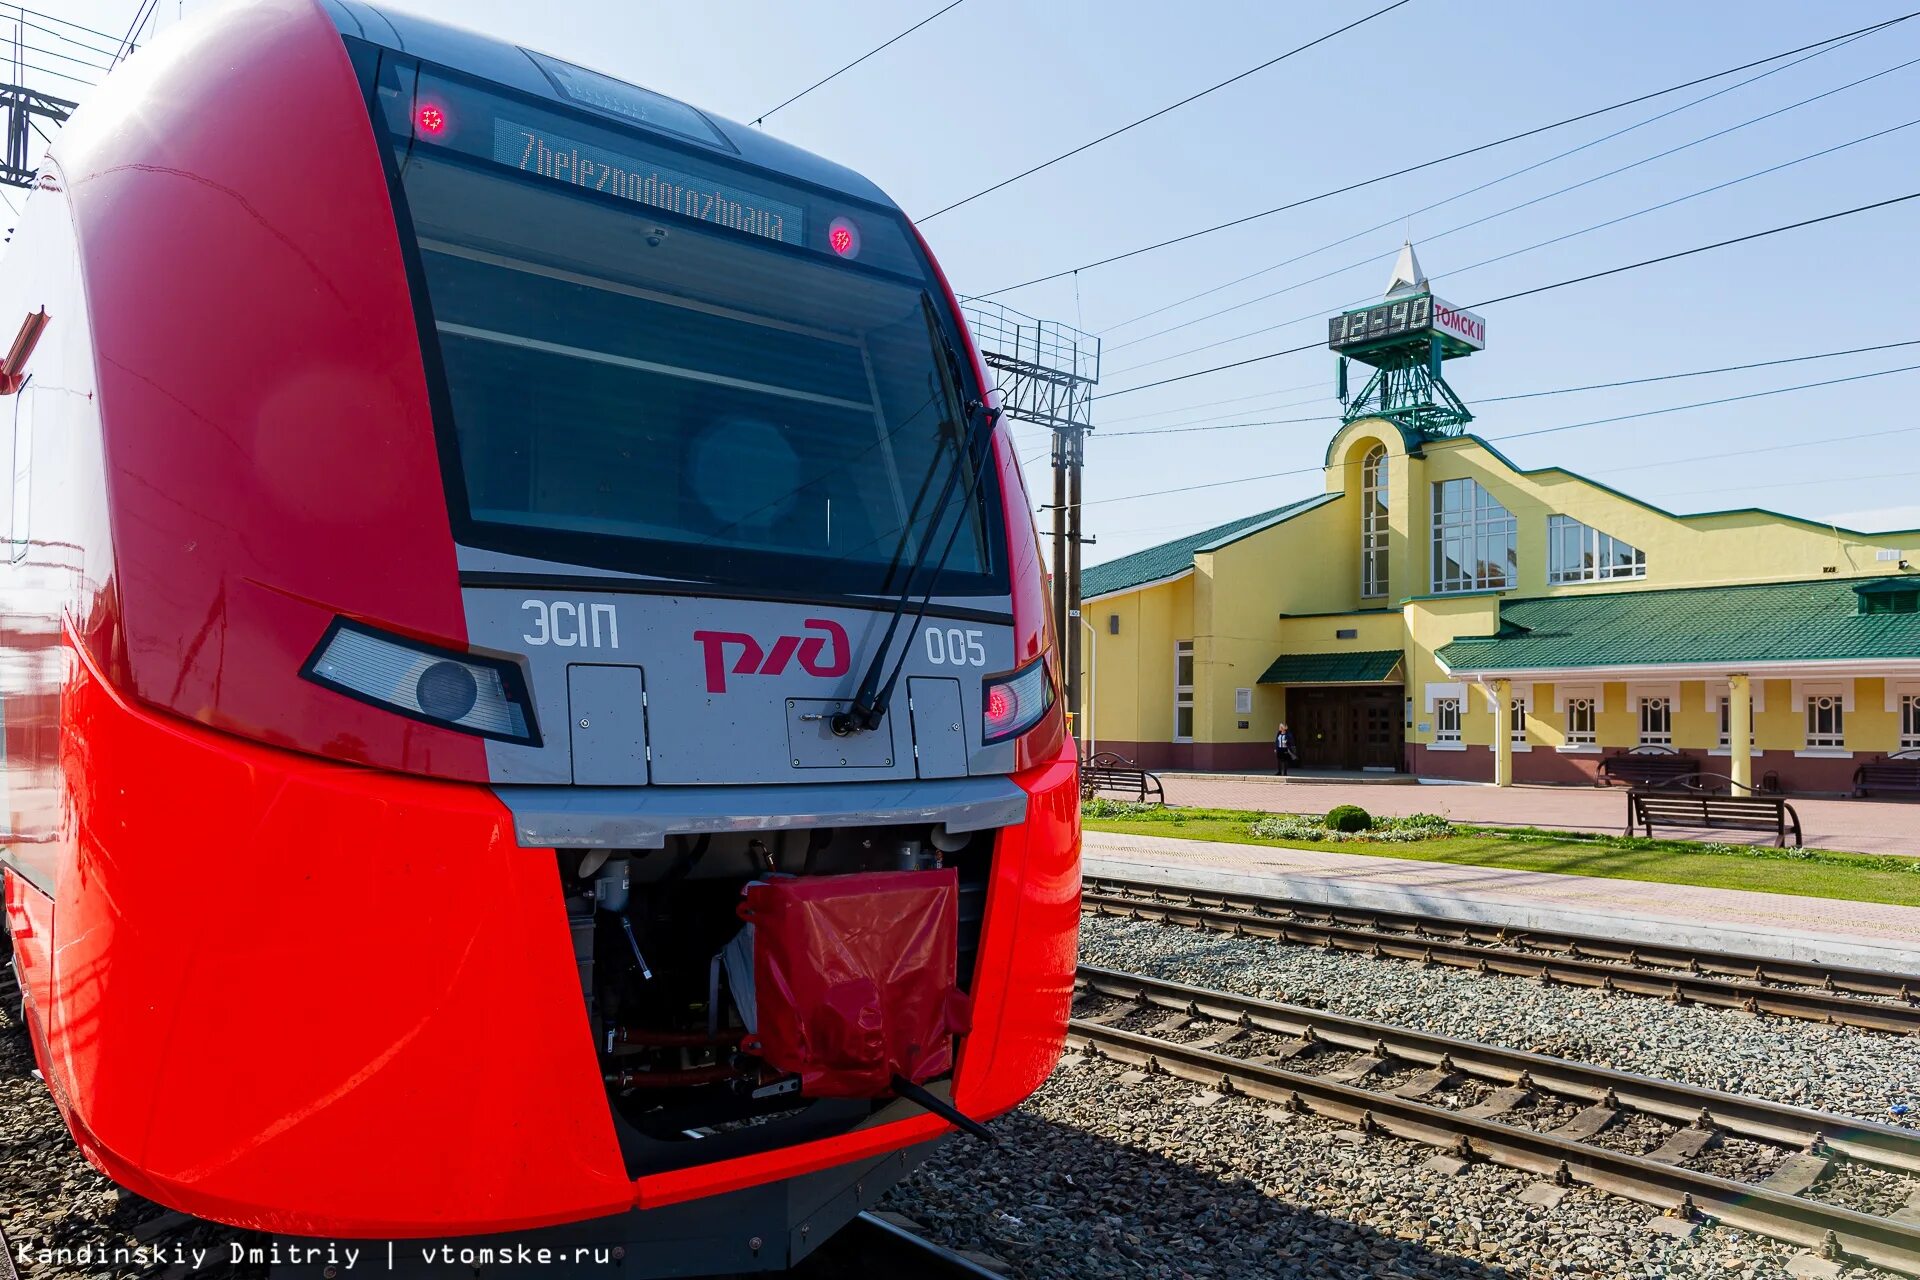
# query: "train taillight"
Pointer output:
{"type": "Point", "coordinates": [1016, 703]}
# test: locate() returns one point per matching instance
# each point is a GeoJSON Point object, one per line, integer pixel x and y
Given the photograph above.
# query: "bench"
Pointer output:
{"type": "Point", "coordinates": [1688, 804]}
{"type": "Point", "coordinates": [1897, 772]}
{"type": "Point", "coordinates": [1113, 773]}
{"type": "Point", "coordinates": [1645, 766]}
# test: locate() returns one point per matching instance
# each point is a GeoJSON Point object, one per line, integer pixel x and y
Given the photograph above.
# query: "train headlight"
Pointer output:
{"type": "Point", "coordinates": [1013, 704]}
{"type": "Point", "coordinates": [463, 691]}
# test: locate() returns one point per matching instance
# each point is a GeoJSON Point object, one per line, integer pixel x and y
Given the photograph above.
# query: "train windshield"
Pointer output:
{"type": "Point", "coordinates": [657, 362]}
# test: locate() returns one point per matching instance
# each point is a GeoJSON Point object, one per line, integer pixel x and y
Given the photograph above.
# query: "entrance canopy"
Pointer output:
{"type": "Point", "coordinates": [1374, 666]}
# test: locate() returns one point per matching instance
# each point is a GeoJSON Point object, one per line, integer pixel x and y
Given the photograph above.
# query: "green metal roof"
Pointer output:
{"type": "Point", "coordinates": [1764, 622]}
{"type": "Point", "coordinates": [1365, 667]}
{"type": "Point", "coordinates": [1170, 558]}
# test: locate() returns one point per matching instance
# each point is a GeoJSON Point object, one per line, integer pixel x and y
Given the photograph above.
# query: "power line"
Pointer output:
{"type": "Point", "coordinates": [1700, 404]}
{"type": "Point", "coordinates": [55, 53]}
{"type": "Point", "coordinates": [1492, 182]}
{"type": "Point", "coordinates": [1697, 373]}
{"type": "Point", "coordinates": [1428, 164]}
{"type": "Point", "coordinates": [1584, 182]}
{"type": "Point", "coordinates": [761, 118]}
{"type": "Point", "coordinates": [1085, 146]}
{"type": "Point", "coordinates": [143, 10]}
{"type": "Point", "coordinates": [1538, 244]}
{"type": "Point", "coordinates": [1208, 404]}
{"type": "Point", "coordinates": [1796, 484]}
{"type": "Point", "coordinates": [1515, 435]}
{"type": "Point", "coordinates": [1544, 288]}
{"type": "Point", "coordinates": [49, 71]}
{"type": "Point", "coordinates": [1184, 428]}
{"type": "Point", "coordinates": [1765, 448]}
{"type": "Point", "coordinates": [61, 35]}
{"type": "Point", "coordinates": [65, 22]}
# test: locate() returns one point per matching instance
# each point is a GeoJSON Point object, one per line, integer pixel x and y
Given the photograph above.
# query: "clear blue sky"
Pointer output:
{"type": "Point", "coordinates": [996, 85]}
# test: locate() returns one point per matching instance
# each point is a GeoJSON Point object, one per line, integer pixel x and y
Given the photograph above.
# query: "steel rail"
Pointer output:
{"type": "Point", "coordinates": [1879, 1242]}
{"type": "Point", "coordinates": [870, 1245]}
{"type": "Point", "coordinates": [1654, 955]}
{"type": "Point", "coordinates": [1775, 1123]}
{"type": "Point", "coordinates": [1261, 918]}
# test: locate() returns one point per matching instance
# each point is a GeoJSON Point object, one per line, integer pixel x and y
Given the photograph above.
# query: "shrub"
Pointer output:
{"type": "Point", "coordinates": [1102, 807]}
{"type": "Point", "coordinates": [1348, 818]}
{"type": "Point", "coordinates": [1290, 826]}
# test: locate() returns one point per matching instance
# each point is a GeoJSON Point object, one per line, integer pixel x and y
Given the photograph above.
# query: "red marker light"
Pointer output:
{"type": "Point", "coordinates": [999, 706]}
{"type": "Point", "coordinates": [431, 119]}
{"type": "Point", "coordinates": [844, 237]}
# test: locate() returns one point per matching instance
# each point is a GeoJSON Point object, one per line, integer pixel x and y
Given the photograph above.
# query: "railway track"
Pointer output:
{"type": "Point", "coordinates": [870, 1245]}
{"type": "Point", "coordinates": [1823, 993]}
{"type": "Point", "coordinates": [1385, 1080]}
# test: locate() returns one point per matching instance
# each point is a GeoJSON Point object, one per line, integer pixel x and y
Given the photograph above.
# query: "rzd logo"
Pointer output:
{"type": "Point", "coordinates": [818, 657]}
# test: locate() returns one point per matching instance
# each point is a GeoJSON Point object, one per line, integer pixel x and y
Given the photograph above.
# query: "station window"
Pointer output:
{"type": "Point", "coordinates": [1373, 524]}
{"type": "Point", "coordinates": [1183, 691]}
{"type": "Point", "coordinates": [1656, 722]}
{"type": "Point", "coordinates": [1580, 722]}
{"type": "Point", "coordinates": [1581, 553]}
{"type": "Point", "coordinates": [1910, 721]}
{"type": "Point", "coordinates": [1517, 722]}
{"type": "Point", "coordinates": [1473, 539]}
{"type": "Point", "coordinates": [1446, 719]}
{"type": "Point", "coordinates": [1826, 720]}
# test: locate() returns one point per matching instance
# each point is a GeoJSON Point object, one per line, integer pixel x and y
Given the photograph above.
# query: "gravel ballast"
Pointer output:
{"type": "Point", "coordinates": [1808, 1064]}
{"type": "Point", "coordinates": [1099, 1177]}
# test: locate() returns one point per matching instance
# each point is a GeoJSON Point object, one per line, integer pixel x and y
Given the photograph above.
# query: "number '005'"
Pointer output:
{"type": "Point", "coordinates": [952, 646]}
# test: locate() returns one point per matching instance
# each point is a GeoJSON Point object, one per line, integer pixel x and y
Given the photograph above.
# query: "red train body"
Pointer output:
{"type": "Point", "coordinates": [321, 955]}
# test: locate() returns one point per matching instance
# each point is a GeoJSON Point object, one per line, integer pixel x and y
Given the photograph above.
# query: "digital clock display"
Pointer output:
{"type": "Point", "coordinates": [1388, 320]}
{"type": "Point", "coordinates": [562, 159]}
{"type": "Point", "coordinates": [1463, 330]}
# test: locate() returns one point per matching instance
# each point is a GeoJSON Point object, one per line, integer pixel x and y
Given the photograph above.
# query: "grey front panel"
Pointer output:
{"type": "Point", "coordinates": [939, 728]}
{"type": "Point", "coordinates": [607, 722]}
{"type": "Point", "coordinates": [720, 674]}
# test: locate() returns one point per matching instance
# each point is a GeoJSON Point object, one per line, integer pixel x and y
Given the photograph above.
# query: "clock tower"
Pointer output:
{"type": "Point", "coordinates": [1404, 338]}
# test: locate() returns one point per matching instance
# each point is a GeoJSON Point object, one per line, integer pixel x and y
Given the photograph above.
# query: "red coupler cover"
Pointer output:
{"type": "Point", "coordinates": [854, 977]}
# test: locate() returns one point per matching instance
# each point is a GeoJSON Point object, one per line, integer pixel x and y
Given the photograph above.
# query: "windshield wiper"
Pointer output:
{"type": "Point", "coordinates": [869, 706]}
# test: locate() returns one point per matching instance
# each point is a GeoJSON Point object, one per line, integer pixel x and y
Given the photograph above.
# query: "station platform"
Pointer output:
{"type": "Point", "coordinates": [1854, 826]}
{"type": "Point", "coordinates": [1861, 935]}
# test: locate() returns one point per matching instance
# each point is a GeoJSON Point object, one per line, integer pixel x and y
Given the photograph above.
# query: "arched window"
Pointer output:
{"type": "Point", "coordinates": [1373, 523]}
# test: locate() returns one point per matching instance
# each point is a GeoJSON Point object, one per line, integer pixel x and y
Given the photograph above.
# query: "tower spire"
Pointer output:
{"type": "Point", "coordinates": [1407, 276]}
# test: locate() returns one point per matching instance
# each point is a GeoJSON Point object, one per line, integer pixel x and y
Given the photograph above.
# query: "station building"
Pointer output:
{"type": "Point", "coordinates": [1440, 611]}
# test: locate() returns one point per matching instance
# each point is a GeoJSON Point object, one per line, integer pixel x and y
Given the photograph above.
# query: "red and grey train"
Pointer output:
{"type": "Point", "coordinates": [527, 687]}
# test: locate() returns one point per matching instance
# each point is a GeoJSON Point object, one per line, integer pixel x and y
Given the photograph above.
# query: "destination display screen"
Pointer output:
{"type": "Point", "coordinates": [533, 149]}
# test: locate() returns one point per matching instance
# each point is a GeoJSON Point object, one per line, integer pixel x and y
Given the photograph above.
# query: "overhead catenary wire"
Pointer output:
{"type": "Point", "coordinates": [65, 22]}
{"type": "Point", "coordinates": [1438, 160]}
{"type": "Point", "coordinates": [1561, 191]}
{"type": "Point", "coordinates": [762, 117]}
{"type": "Point", "coordinates": [1564, 236]}
{"type": "Point", "coordinates": [1544, 288]}
{"type": "Point", "coordinates": [1201, 424]}
{"type": "Point", "coordinates": [18, 14]}
{"type": "Point", "coordinates": [1515, 435]}
{"type": "Point", "coordinates": [1155, 115]}
{"type": "Point", "coordinates": [1511, 174]}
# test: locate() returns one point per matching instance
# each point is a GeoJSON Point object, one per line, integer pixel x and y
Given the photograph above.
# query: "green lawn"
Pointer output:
{"type": "Point", "coordinates": [1814, 873]}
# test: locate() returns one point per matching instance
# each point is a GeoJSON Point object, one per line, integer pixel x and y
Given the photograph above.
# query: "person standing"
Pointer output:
{"type": "Point", "coordinates": [1282, 750]}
